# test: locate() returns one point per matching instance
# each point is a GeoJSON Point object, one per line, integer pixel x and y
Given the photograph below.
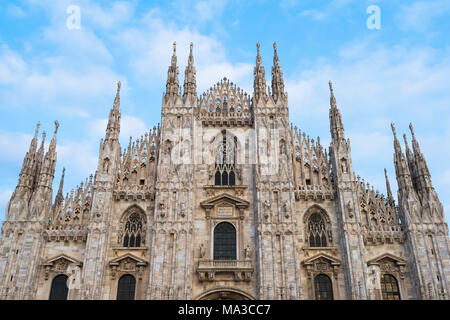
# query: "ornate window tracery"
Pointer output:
{"type": "Point", "coordinates": [389, 287]}
{"type": "Point", "coordinates": [134, 229]}
{"type": "Point", "coordinates": [59, 289]}
{"type": "Point", "coordinates": [225, 241]}
{"type": "Point", "coordinates": [126, 287]}
{"type": "Point", "coordinates": [317, 231]}
{"type": "Point", "coordinates": [225, 161]}
{"type": "Point", "coordinates": [323, 287]}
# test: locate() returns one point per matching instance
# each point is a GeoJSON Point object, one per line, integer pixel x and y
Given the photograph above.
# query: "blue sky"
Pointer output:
{"type": "Point", "coordinates": [399, 73]}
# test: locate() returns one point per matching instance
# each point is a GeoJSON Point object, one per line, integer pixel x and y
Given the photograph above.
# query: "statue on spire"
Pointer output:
{"type": "Point", "coordinates": [259, 83]}
{"type": "Point", "coordinates": [336, 125]}
{"type": "Point", "coordinates": [172, 87]}
{"type": "Point", "coordinates": [190, 86]}
{"type": "Point", "coordinates": [277, 76]}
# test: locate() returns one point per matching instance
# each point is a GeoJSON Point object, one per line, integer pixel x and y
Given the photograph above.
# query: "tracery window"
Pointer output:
{"type": "Point", "coordinates": [59, 288]}
{"type": "Point", "coordinates": [126, 287]}
{"type": "Point", "coordinates": [133, 230]}
{"type": "Point", "coordinates": [225, 241]}
{"type": "Point", "coordinates": [323, 287]}
{"type": "Point", "coordinates": [389, 287]}
{"type": "Point", "coordinates": [225, 162]}
{"type": "Point", "coordinates": [317, 231]}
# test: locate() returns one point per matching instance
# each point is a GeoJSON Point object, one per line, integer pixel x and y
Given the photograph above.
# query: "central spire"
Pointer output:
{"type": "Point", "coordinates": [172, 87]}
{"type": "Point", "coordinates": [190, 86]}
{"type": "Point", "coordinates": [277, 76]}
{"type": "Point", "coordinates": [336, 126]}
{"type": "Point", "coordinates": [113, 128]}
{"type": "Point", "coordinates": [259, 84]}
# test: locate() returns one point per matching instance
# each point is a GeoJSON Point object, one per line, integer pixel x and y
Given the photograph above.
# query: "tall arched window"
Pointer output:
{"type": "Point", "coordinates": [59, 288]}
{"type": "Point", "coordinates": [389, 287]}
{"type": "Point", "coordinates": [224, 242]}
{"type": "Point", "coordinates": [133, 234]}
{"type": "Point", "coordinates": [225, 162]}
{"type": "Point", "coordinates": [317, 231]}
{"type": "Point", "coordinates": [323, 287]}
{"type": "Point", "coordinates": [126, 287]}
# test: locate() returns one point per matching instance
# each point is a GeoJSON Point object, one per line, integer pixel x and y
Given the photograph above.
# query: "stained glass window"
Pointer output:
{"type": "Point", "coordinates": [126, 287]}
{"type": "Point", "coordinates": [323, 287]}
{"type": "Point", "coordinates": [59, 288]}
{"type": "Point", "coordinates": [224, 242]}
{"type": "Point", "coordinates": [317, 231]}
{"type": "Point", "coordinates": [389, 287]}
{"type": "Point", "coordinates": [133, 232]}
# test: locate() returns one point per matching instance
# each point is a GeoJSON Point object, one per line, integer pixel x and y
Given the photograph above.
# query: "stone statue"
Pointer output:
{"type": "Point", "coordinates": [248, 252]}
{"type": "Point", "coordinates": [202, 251]}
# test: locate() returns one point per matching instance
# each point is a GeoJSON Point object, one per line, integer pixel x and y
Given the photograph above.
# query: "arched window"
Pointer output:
{"type": "Point", "coordinates": [59, 288]}
{"type": "Point", "coordinates": [126, 287]}
{"type": "Point", "coordinates": [389, 287]}
{"type": "Point", "coordinates": [323, 287]}
{"type": "Point", "coordinates": [133, 234]}
{"type": "Point", "coordinates": [317, 231]}
{"type": "Point", "coordinates": [225, 162]}
{"type": "Point", "coordinates": [224, 242]}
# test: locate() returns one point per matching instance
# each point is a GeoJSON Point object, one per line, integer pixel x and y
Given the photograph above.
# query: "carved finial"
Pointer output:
{"type": "Point", "coordinates": [37, 129]}
{"type": "Point", "coordinates": [393, 129]}
{"type": "Point", "coordinates": [56, 126]}
{"type": "Point", "coordinates": [174, 47]}
{"type": "Point", "coordinates": [331, 86]}
{"type": "Point", "coordinates": [275, 56]}
{"type": "Point", "coordinates": [406, 140]}
{"type": "Point", "coordinates": [411, 128]}
{"type": "Point", "coordinates": [258, 57]}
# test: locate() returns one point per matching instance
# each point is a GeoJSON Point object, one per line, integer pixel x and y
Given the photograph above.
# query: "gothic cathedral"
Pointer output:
{"type": "Point", "coordinates": [224, 200]}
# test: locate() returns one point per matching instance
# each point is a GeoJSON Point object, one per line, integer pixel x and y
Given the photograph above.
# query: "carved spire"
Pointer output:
{"type": "Point", "coordinates": [172, 87]}
{"type": "Point", "coordinates": [277, 76]}
{"type": "Point", "coordinates": [113, 128]}
{"type": "Point", "coordinates": [410, 159]}
{"type": "Point", "coordinates": [423, 177]}
{"type": "Point", "coordinates": [259, 83]}
{"type": "Point", "coordinates": [52, 146]}
{"type": "Point", "coordinates": [33, 143]}
{"type": "Point", "coordinates": [401, 168]}
{"type": "Point", "coordinates": [59, 196]}
{"type": "Point", "coordinates": [336, 126]}
{"type": "Point", "coordinates": [190, 86]}
{"type": "Point", "coordinates": [388, 186]}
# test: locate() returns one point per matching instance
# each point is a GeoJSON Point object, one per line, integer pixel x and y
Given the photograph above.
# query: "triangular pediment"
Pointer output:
{"type": "Point", "coordinates": [225, 198]}
{"type": "Point", "coordinates": [331, 259]}
{"type": "Point", "coordinates": [64, 257]}
{"type": "Point", "coordinates": [398, 260]}
{"type": "Point", "coordinates": [137, 260]}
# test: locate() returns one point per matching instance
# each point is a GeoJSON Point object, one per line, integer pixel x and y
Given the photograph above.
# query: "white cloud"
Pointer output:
{"type": "Point", "coordinates": [419, 15]}
{"type": "Point", "coordinates": [16, 144]}
{"type": "Point", "coordinates": [129, 126]}
{"type": "Point", "coordinates": [375, 85]}
{"type": "Point", "coordinates": [15, 11]}
{"type": "Point", "coordinates": [150, 50]}
{"type": "Point", "coordinates": [315, 14]}
{"type": "Point", "coordinates": [77, 157]}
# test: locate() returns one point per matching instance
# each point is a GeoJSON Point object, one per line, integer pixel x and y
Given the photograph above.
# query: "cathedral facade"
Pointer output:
{"type": "Point", "coordinates": [224, 200]}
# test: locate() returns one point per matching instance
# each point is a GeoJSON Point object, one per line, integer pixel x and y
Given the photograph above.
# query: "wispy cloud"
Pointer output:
{"type": "Point", "coordinates": [419, 15]}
